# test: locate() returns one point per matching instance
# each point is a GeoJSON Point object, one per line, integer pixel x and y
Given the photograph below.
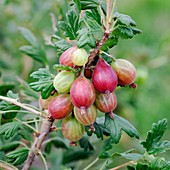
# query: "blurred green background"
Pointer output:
{"type": "Point", "coordinates": [149, 52]}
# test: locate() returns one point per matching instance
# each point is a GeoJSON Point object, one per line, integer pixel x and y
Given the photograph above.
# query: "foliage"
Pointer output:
{"type": "Point", "coordinates": [86, 32]}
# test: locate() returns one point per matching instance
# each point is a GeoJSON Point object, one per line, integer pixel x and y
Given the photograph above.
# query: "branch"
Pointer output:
{"type": "Point", "coordinates": [97, 49]}
{"type": "Point", "coordinates": [14, 101]}
{"type": "Point", "coordinates": [45, 129]}
{"type": "Point", "coordinates": [123, 165]}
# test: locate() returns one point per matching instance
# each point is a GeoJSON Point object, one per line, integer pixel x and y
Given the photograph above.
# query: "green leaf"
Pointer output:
{"type": "Point", "coordinates": [141, 166]}
{"type": "Point", "coordinates": [98, 130]}
{"type": "Point", "coordinates": [9, 146]}
{"type": "Point", "coordinates": [9, 129]}
{"type": "Point", "coordinates": [104, 155]}
{"type": "Point", "coordinates": [72, 155]}
{"type": "Point", "coordinates": [29, 36]}
{"type": "Point", "coordinates": [78, 3]}
{"type": "Point", "coordinates": [44, 83]}
{"type": "Point", "coordinates": [130, 167]}
{"type": "Point", "coordinates": [17, 157]}
{"type": "Point", "coordinates": [111, 42]}
{"type": "Point", "coordinates": [86, 38]}
{"type": "Point", "coordinates": [152, 143]}
{"type": "Point", "coordinates": [60, 44]}
{"type": "Point", "coordinates": [94, 14]}
{"type": "Point", "coordinates": [6, 166]}
{"type": "Point", "coordinates": [71, 26]}
{"type": "Point", "coordinates": [62, 67]}
{"type": "Point", "coordinates": [127, 127]}
{"type": "Point", "coordinates": [124, 20]}
{"type": "Point", "coordinates": [116, 125]}
{"type": "Point", "coordinates": [89, 4]}
{"type": "Point", "coordinates": [128, 155]}
{"type": "Point", "coordinates": [85, 144]}
{"type": "Point", "coordinates": [57, 142]}
{"type": "Point", "coordinates": [34, 50]}
{"type": "Point", "coordinates": [160, 163]}
{"type": "Point", "coordinates": [4, 88]}
{"type": "Point", "coordinates": [35, 53]}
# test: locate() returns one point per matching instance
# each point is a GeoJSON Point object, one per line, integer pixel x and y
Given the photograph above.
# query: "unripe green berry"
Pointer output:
{"type": "Point", "coordinates": [63, 81]}
{"type": "Point", "coordinates": [80, 57]}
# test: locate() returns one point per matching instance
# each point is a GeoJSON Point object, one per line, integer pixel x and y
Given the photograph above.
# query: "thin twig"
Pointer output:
{"type": "Point", "coordinates": [24, 123]}
{"type": "Point", "coordinates": [45, 163]}
{"type": "Point", "coordinates": [123, 165]}
{"type": "Point", "coordinates": [14, 101]}
{"type": "Point", "coordinates": [91, 164]}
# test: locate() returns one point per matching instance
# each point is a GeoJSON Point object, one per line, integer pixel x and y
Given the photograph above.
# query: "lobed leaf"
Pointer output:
{"type": "Point", "coordinates": [71, 26]}
{"type": "Point", "coordinates": [44, 83]}
{"type": "Point", "coordinates": [28, 35]}
{"type": "Point", "coordinates": [85, 144]}
{"type": "Point", "coordinates": [17, 157]}
{"type": "Point", "coordinates": [116, 125]}
{"type": "Point", "coordinates": [9, 129]}
{"type": "Point", "coordinates": [9, 146]}
{"type": "Point", "coordinates": [129, 155]}
{"type": "Point", "coordinates": [62, 67]}
{"type": "Point", "coordinates": [34, 50]}
{"type": "Point", "coordinates": [89, 4]}
{"type": "Point", "coordinates": [152, 144]}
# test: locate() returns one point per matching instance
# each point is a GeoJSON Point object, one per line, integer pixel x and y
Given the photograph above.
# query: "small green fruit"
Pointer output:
{"type": "Point", "coordinates": [88, 117]}
{"type": "Point", "coordinates": [63, 81]}
{"type": "Point", "coordinates": [72, 129]}
{"type": "Point", "coordinates": [80, 57]}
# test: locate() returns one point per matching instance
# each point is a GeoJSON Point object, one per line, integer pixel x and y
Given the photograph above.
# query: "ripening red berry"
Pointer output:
{"type": "Point", "coordinates": [82, 93]}
{"type": "Point", "coordinates": [43, 103]}
{"type": "Point", "coordinates": [60, 107]}
{"type": "Point", "coordinates": [88, 117]}
{"type": "Point", "coordinates": [66, 57]}
{"type": "Point", "coordinates": [104, 78]}
{"type": "Point", "coordinates": [125, 71]}
{"type": "Point", "coordinates": [106, 103]}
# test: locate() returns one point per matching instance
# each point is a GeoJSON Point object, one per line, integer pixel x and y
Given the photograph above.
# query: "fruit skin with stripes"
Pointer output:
{"type": "Point", "coordinates": [66, 57]}
{"type": "Point", "coordinates": [72, 129]}
{"type": "Point", "coordinates": [63, 81]}
{"type": "Point", "coordinates": [88, 117]}
{"type": "Point", "coordinates": [79, 57]}
{"type": "Point", "coordinates": [106, 103]}
{"type": "Point", "coordinates": [60, 107]}
{"type": "Point", "coordinates": [82, 93]}
{"type": "Point", "coordinates": [125, 71]}
{"type": "Point", "coordinates": [104, 78]}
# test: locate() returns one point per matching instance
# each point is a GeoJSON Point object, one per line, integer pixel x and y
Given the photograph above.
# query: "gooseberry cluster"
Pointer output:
{"type": "Point", "coordinates": [79, 95]}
